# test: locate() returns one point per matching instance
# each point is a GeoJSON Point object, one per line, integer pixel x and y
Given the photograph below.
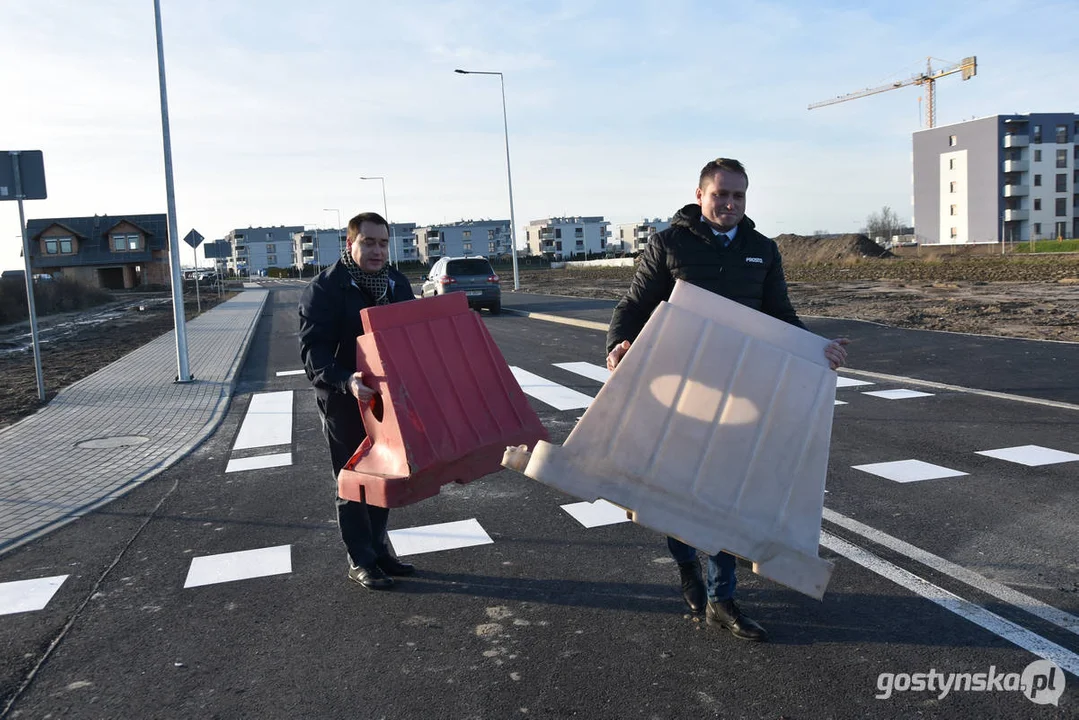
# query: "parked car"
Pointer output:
{"type": "Point", "coordinates": [473, 276]}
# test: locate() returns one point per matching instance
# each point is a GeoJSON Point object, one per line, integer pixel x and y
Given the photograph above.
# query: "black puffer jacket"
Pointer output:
{"type": "Point", "coordinates": [330, 323]}
{"type": "Point", "coordinates": [749, 271]}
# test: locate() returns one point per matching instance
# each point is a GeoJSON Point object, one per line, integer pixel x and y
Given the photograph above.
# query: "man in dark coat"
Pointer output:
{"type": "Point", "coordinates": [329, 325]}
{"type": "Point", "coordinates": [711, 244]}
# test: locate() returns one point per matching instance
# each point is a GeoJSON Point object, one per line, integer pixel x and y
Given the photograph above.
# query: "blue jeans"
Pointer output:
{"type": "Point", "coordinates": [721, 577]}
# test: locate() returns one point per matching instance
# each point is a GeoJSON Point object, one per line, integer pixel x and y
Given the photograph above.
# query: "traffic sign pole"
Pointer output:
{"type": "Point", "coordinates": [29, 277]}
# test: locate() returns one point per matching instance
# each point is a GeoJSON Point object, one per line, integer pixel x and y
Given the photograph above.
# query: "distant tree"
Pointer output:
{"type": "Point", "coordinates": [820, 233]}
{"type": "Point", "coordinates": [882, 224]}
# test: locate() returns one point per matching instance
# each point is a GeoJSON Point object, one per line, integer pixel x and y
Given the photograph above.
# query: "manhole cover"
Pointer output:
{"type": "Point", "coordinates": [117, 441]}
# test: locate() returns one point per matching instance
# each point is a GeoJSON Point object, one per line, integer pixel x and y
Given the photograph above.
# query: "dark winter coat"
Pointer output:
{"type": "Point", "coordinates": [748, 271]}
{"type": "Point", "coordinates": [330, 323]}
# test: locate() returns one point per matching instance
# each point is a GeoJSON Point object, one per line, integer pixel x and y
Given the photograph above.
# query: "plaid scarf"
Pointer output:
{"type": "Point", "coordinates": [376, 283]}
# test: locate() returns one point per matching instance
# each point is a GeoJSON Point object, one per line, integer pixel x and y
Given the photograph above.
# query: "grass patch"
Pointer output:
{"type": "Point", "coordinates": [1047, 246]}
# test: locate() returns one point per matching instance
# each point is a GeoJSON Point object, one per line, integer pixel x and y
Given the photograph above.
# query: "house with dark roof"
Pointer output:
{"type": "Point", "coordinates": [111, 252]}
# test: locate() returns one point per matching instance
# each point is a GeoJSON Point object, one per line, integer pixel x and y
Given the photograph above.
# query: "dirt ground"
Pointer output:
{"type": "Point", "coordinates": [1028, 297]}
{"type": "Point", "coordinates": [78, 344]}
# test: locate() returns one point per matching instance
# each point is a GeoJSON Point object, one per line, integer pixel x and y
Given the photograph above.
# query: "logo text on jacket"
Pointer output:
{"type": "Point", "coordinates": [755, 260]}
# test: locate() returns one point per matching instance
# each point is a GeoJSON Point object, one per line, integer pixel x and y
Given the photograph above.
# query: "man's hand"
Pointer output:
{"type": "Point", "coordinates": [836, 352]}
{"type": "Point", "coordinates": [359, 391]}
{"type": "Point", "coordinates": [616, 354]}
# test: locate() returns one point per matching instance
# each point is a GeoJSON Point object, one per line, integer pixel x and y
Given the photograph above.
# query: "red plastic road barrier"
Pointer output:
{"type": "Point", "coordinates": [447, 404]}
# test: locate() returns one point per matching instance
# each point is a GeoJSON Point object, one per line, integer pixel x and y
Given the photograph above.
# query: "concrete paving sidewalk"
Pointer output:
{"type": "Point", "coordinates": [119, 427]}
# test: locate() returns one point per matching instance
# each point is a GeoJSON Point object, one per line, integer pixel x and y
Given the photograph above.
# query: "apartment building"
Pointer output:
{"type": "Point", "coordinates": [317, 247]}
{"type": "Point", "coordinates": [256, 250]}
{"type": "Point", "coordinates": [633, 237]}
{"type": "Point", "coordinates": [567, 237]}
{"type": "Point", "coordinates": [1003, 177]}
{"type": "Point", "coordinates": [490, 238]}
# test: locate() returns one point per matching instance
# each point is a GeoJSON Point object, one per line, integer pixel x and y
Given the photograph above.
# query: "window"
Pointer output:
{"type": "Point", "coordinates": [951, 163]}
{"type": "Point", "coordinates": [490, 234]}
{"type": "Point", "coordinates": [1062, 229]}
{"type": "Point", "coordinates": [1062, 158]}
{"type": "Point", "coordinates": [271, 260]}
{"type": "Point", "coordinates": [466, 234]}
{"type": "Point", "coordinates": [1037, 181]}
{"type": "Point", "coordinates": [580, 243]}
{"type": "Point", "coordinates": [1037, 156]}
{"type": "Point", "coordinates": [558, 234]}
{"type": "Point", "coordinates": [1037, 134]}
{"type": "Point", "coordinates": [466, 247]}
{"type": "Point", "coordinates": [1062, 207]}
{"type": "Point", "coordinates": [59, 246]}
{"type": "Point", "coordinates": [490, 247]}
{"type": "Point", "coordinates": [1037, 203]}
{"type": "Point", "coordinates": [1062, 182]}
{"type": "Point", "coordinates": [951, 186]}
{"type": "Point", "coordinates": [954, 233]}
{"type": "Point", "coordinates": [1062, 134]}
{"type": "Point", "coordinates": [952, 140]}
{"type": "Point", "coordinates": [1037, 228]}
{"type": "Point", "coordinates": [125, 242]}
{"type": "Point", "coordinates": [269, 236]}
{"type": "Point", "coordinates": [558, 245]}
{"type": "Point", "coordinates": [952, 210]}
{"type": "Point", "coordinates": [578, 232]}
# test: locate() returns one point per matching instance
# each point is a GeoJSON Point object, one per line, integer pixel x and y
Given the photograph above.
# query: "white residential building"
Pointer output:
{"type": "Point", "coordinates": [490, 238]}
{"type": "Point", "coordinates": [317, 247]}
{"type": "Point", "coordinates": [567, 237]}
{"type": "Point", "coordinates": [256, 250]}
{"type": "Point", "coordinates": [633, 237]}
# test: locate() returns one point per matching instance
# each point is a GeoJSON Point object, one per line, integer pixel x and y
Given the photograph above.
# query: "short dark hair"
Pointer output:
{"type": "Point", "coordinates": [355, 223]}
{"type": "Point", "coordinates": [714, 166]}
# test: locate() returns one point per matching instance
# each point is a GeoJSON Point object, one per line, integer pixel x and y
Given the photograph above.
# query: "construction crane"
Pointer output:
{"type": "Point", "coordinates": [969, 68]}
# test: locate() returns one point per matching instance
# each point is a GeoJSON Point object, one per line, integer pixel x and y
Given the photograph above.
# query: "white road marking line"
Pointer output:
{"type": "Point", "coordinates": [958, 572]}
{"type": "Point", "coordinates": [898, 394]}
{"type": "Point", "coordinates": [557, 396]}
{"type": "Point", "coordinates": [599, 373]}
{"type": "Point", "coordinates": [242, 565]}
{"type": "Point", "coordinates": [443, 536]}
{"type": "Point", "coordinates": [259, 462]}
{"type": "Point", "coordinates": [268, 421]}
{"type": "Point", "coordinates": [1030, 455]}
{"type": "Point", "coordinates": [596, 514]}
{"type": "Point", "coordinates": [28, 595]}
{"type": "Point", "coordinates": [1001, 627]}
{"type": "Point", "coordinates": [901, 380]}
{"type": "Point", "coordinates": [840, 402]}
{"type": "Point", "coordinates": [841, 381]}
{"type": "Point", "coordinates": [286, 373]}
{"type": "Point", "coordinates": [905, 471]}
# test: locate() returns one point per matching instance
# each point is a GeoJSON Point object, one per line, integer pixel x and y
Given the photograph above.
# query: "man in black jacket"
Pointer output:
{"type": "Point", "coordinates": [329, 325]}
{"type": "Point", "coordinates": [712, 244]}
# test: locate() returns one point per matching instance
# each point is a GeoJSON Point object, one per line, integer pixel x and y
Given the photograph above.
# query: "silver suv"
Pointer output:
{"type": "Point", "coordinates": [473, 276]}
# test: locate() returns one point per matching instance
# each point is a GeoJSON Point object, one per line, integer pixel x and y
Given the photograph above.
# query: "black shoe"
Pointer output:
{"type": "Point", "coordinates": [393, 566]}
{"type": "Point", "coordinates": [727, 615]}
{"type": "Point", "coordinates": [692, 585]}
{"type": "Point", "coordinates": [371, 578]}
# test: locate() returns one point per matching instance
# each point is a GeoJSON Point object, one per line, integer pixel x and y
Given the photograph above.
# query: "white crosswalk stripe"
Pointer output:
{"type": "Point", "coordinates": [557, 396]}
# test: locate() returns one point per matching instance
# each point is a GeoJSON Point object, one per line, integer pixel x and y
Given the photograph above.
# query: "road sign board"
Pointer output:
{"type": "Point", "coordinates": [217, 249]}
{"type": "Point", "coordinates": [193, 238]}
{"type": "Point", "coordinates": [31, 174]}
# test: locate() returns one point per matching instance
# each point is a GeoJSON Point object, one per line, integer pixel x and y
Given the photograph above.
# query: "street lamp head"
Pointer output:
{"type": "Point", "coordinates": [461, 72]}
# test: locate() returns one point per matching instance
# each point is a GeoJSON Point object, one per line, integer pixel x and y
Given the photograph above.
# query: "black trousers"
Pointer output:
{"type": "Point", "coordinates": [363, 526]}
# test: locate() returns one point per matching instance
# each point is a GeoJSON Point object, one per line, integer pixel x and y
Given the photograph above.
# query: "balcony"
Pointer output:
{"type": "Point", "coordinates": [1016, 141]}
{"type": "Point", "coordinates": [1016, 190]}
{"type": "Point", "coordinates": [1016, 166]}
{"type": "Point", "coordinates": [1016, 215]}
{"type": "Point", "coordinates": [307, 246]}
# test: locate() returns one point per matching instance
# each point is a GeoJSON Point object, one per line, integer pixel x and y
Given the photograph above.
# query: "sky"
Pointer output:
{"type": "Point", "coordinates": [277, 108]}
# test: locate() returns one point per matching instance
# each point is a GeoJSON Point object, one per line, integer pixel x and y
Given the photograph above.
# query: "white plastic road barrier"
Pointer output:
{"type": "Point", "coordinates": [714, 429]}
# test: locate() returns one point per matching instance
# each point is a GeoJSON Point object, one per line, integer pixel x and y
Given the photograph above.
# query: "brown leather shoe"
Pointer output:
{"type": "Point", "coordinates": [371, 578]}
{"type": "Point", "coordinates": [692, 585]}
{"type": "Point", "coordinates": [726, 614]}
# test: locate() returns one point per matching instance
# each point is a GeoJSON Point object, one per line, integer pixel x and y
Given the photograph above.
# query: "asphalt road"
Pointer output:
{"type": "Point", "coordinates": [552, 619]}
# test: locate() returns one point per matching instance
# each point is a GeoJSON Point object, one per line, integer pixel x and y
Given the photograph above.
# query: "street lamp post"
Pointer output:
{"type": "Point", "coordinates": [386, 214]}
{"type": "Point", "coordinates": [317, 251]}
{"type": "Point", "coordinates": [183, 372]}
{"type": "Point", "coordinates": [509, 176]}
